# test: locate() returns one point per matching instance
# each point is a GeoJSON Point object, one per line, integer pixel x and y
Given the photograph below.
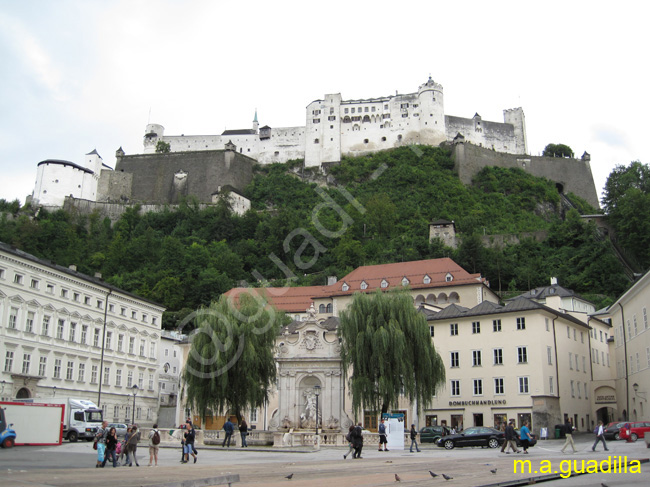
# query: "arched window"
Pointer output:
{"type": "Point", "coordinates": [321, 308]}
{"type": "Point", "coordinates": [366, 118]}
{"type": "Point", "coordinates": [329, 308]}
{"type": "Point", "coordinates": [346, 119]}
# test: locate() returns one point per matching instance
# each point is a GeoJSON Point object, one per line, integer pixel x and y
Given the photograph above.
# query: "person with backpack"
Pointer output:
{"type": "Point", "coordinates": [154, 441]}
{"type": "Point", "coordinates": [100, 443]}
{"type": "Point", "coordinates": [190, 436]}
{"type": "Point", "coordinates": [132, 446]}
{"type": "Point", "coordinates": [348, 438]}
{"type": "Point", "coordinates": [357, 441]}
{"type": "Point", "coordinates": [599, 436]}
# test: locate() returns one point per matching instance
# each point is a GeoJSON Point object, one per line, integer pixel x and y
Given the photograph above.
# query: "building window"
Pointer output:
{"type": "Point", "coordinates": [45, 326]}
{"type": "Point", "coordinates": [521, 323]}
{"type": "Point", "coordinates": [141, 380]}
{"type": "Point", "coordinates": [345, 287]}
{"type": "Point", "coordinates": [449, 277]}
{"type": "Point", "coordinates": [151, 382]}
{"type": "Point", "coordinates": [498, 356]}
{"type": "Point", "coordinates": [93, 374]}
{"type": "Point", "coordinates": [27, 358]}
{"type": "Point", "coordinates": [111, 308]}
{"type": "Point", "coordinates": [29, 323]}
{"type": "Point", "coordinates": [570, 361]}
{"type": "Point", "coordinates": [384, 284]}
{"type": "Point", "coordinates": [476, 358]}
{"type": "Point", "coordinates": [73, 332]}
{"type": "Point", "coordinates": [9, 360]}
{"type": "Point", "coordinates": [129, 379]}
{"type": "Point", "coordinates": [82, 373]}
{"type": "Point", "coordinates": [49, 288]}
{"type": "Point", "coordinates": [405, 281]}
{"type": "Point", "coordinates": [64, 293]}
{"type": "Point", "coordinates": [586, 392]}
{"type": "Point", "coordinates": [118, 378]}
{"type": "Point", "coordinates": [84, 334]}
{"type": "Point", "coordinates": [132, 345]}
{"type": "Point", "coordinates": [87, 300]}
{"type": "Point", "coordinates": [498, 386]}
{"type": "Point", "coordinates": [96, 337]}
{"type": "Point", "coordinates": [478, 387]}
{"type": "Point", "coordinates": [152, 349]}
{"type": "Point", "coordinates": [34, 284]}
{"type": "Point", "coordinates": [364, 285]}
{"type": "Point", "coordinates": [568, 332]}
{"type": "Point", "coordinates": [496, 325]}
{"type": "Point", "coordinates": [455, 388]}
{"type": "Point", "coordinates": [120, 343]}
{"type": "Point", "coordinates": [123, 311]}
{"type": "Point", "coordinates": [426, 280]}
{"type": "Point", "coordinates": [549, 355]}
{"type": "Point", "coordinates": [134, 315]}
{"type": "Point", "coordinates": [76, 297]}
{"type": "Point", "coordinates": [107, 375]}
{"type": "Point", "coordinates": [453, 328]}
{"type": "Point", "coordinates": [645, 318]}
{"type": "Point", "coordinates": [523, 385]}
{"type": "Point", "coordinates": [550, 385]}
{"type": "Point", "coordinates": [18, 279]}
{"type": "Point", "coordinates": [143, 345]}
{"type": "Point", "coordinates": [522, 355]}
{"type": "Point", "coordinates": [584, 364]}
{"type": "Point", "coordinates": [57, 368]}
{"type": "Point", "coordinates": [167, 352]}
{"type": "Point", "coordinates": [153, 320]}
{"type": "Point", "coordinates": [69, 371]}
{"type": "Point", "coordinates": [431, 332]}
{"type": "Point", "coordinates": [109, 339]}
{"type": "Point", "coordinates": [454, 359]}
{"type": "Point", "coordinates": [578, 387]}
{"type": "Point", "coordinates": [59, 329]}
{"type": "Point", "coordinates": [100, 304]}
{"type": "Point", "coordinates": [573, 392]}
{"type": "Point", "coordinates": [577, 365]}
{"type": "Point", "coordinates": [582, 337]}
{"type": "Point", "coordinates": [13, 318]}
{"type": "Point", "coordinates": [476, 327]}
{"type": "Point", "coordinates": [42, 366]}
{"type": "Point", "coordinates": [546, 323]}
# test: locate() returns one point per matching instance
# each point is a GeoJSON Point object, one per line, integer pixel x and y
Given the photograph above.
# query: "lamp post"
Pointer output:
{"type": "Point", "coordinates": [135, 392]}
{"type": "Point", "coordinates": [317, 393]}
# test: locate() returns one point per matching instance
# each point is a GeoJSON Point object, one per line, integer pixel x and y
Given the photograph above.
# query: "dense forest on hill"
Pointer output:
{"type": "Point", "coordinates": [373, 209]}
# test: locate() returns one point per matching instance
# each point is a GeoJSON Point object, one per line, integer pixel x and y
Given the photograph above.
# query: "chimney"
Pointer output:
{"type": "Point", "coordinates": [98, 275]}
{"type": "Point", "coordinates": [331, 280]}
{"type": "Point", "coordinates": [72, 267]}
{"type": "Point", "coordinates": [553, 281]}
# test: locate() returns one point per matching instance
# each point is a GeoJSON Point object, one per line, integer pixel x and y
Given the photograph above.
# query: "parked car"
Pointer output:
{"type": "Point", "coordinates": [532, 442]}
{"type": "Point", "coordinates": [635, 430]}
{"type": "Point", "coordinates": [120, 429]}
{"type": "Point", "coordinates": [612, 431]}
{"type": "Point", "coordinates": [476, 436]}
{"type": "Point", "coordinates": [430, 434]}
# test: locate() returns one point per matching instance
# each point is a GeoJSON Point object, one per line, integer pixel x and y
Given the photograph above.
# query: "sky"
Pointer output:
{"type": "Point", "coordinates": [79, 75]}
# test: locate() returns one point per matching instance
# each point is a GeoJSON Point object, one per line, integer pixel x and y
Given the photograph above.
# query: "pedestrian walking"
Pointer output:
{"type": "Point", "coordinates": [505, 442]}
{"type": "Point", "coordinates": [132, 446]}
{"type": "Point", "coordinates": [511, 437]}
{"type": "Point", "coordinates": [568, 432]}
{"type": "Point", "coordinates": [414, 435]}
{"type": "Point", "coordinates": [111, 446]}
{"type": "Point", "coordinates": [123, 453]}
{"type": "Point", "coordinates": [190, 435]}
{"type": "Point", "coordinates": [357, 441]}
{"type": "Point", "coordinates": [599, 436]}
{"type": "Point", "coordinates": [228, 428]}
{"type": "Point", "coordinates": [383, 440]}
{"type": "Point", "coordinates": [525, 436]}
{"type": "Point", "coordinates": [350, 441]}
{"type": "Point", "coordinates": [154, 441]}
{"type": "Point", "coordinates": [243, 431]}
{"type": "Point", "coordinates": [100, 441]}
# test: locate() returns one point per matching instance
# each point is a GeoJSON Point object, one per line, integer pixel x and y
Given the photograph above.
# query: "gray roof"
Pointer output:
{"type": "Point", "coordinates": [66, 163]}
{"type": "Point", "coordinates": [552, 290]}
{"type": "Point", "coordinates": [330, 324]}
{"type": "Point", "coordinates": [239, 132]}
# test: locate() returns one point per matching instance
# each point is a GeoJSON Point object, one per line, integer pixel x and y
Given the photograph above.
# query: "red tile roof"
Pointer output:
{"type": "Point", "coordinates": [298, 299]}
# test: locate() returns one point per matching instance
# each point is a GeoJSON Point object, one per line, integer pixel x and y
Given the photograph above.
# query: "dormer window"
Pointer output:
{"type": "Point", "coordinates": [449, 277]}
{"type": "Point", "coordinates": [533, 292]}
{"type": "Point", "coordinates": [345, 287]}
{"type": "Point", "coordinates": [426, 280]}
{"type": "Point", "coordinates": [405, 281]}
{"type": "Point", "coordinates": [364, 285]}
{"type": "Point", "coordinates": [551, 291]}
{"type": "Point", "coordinates": [384, 284]}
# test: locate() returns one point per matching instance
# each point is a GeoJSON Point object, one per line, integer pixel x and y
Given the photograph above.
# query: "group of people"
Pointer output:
{"type": "Point", "coordinates": [109, 447]}
{"type": "Point", "coordinates": [524, 436]}
{"type": "Point", "coordinates": [229, 429]}
{"type": "Point", "coordinates": [355, 439]}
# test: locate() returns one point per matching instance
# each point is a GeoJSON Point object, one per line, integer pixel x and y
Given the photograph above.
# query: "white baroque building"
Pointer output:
{"type": "Point", "coordinates": [335, 127]}
{"type": "Point", "coordinates": [54, 324]}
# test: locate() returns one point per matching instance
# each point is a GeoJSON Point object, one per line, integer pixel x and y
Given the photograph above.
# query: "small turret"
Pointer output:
{"type": "Point", "coordinates": [119, 152]}
{"type": "Point", "coordinates": [255, 122]}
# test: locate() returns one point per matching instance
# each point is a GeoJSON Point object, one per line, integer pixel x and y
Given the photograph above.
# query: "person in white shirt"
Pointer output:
{"type": "Point", "coordinates": [599, 437]}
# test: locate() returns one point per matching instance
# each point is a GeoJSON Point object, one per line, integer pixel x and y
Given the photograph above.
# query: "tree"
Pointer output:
{"type": "Point", "coordinates": [557, 150]}
{"type": "Point", "coordinates": [387, 346]}
{"type": "Point", "coordinates": [163, 147]}
{"type": "Point", "coordinates": [231, 363]}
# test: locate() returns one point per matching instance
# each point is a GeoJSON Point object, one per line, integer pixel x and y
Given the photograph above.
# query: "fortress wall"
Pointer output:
{"type": "Point", "coordinates": [492, 135]}
{"type": "Point", "coordinates": [114, 186]}
{"type": "Point", "coordinates": [573, 174]}
{"type": "Point", "coordinates": [286, 143]}
{"type": "Point", "coordinates": [155, 180]}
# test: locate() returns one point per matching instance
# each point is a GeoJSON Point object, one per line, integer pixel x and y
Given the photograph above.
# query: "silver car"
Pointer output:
{"type": "Point", "coordinates": [120, 429]}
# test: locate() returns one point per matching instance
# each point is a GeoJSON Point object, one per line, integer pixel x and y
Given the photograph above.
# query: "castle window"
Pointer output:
{"type": "Point", "coordinates": [332, 118]}
{"type": "Point", "coordinates": [385, 107]}
{"type": "Point", "coordinates": [346, 119]}
{"type": "Point", "coordinates": [372, 109]}
{"type": "Point", "coordinates": [331, 110]}
{"type": "Point", "coordinates": [317, 120]}
{"type": "Point", "coordinates": [404, 105]}
{"type": "Point", "coordinates": [276, 153]}
{"type": "Point", "coordinates": [315, 112]}
{"type": "Point", "coordinates": [399, 137]}
{"type": "Point", "coordinates": [365, 141]}
{"type": "Point", "coordinates": [346, 110]}
{"type": "Point", "coordinates": [404, 115]}
{"type": "Point", "coordinates": [415, 105]}
{"type": "Point", "coordinates": [356, 119]}
{"type": "Point", "coordinates": [352, 109]}
{"type": "Point", "coordinates": [365, 109]}
{"type": "Point", "coordinates": [383, 139]}
{"type": "Point", "coordinates": [366, 118]}
{"type": "Point", "coordinates": [386, 115]}
{"type": "Point", "coordinates": [316, 141]}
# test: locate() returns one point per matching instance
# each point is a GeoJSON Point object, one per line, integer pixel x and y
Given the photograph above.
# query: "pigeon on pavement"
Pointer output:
{"type": "Point", "coordinates": [494, 471]}
{"type": "Point", "coordinates": [290, 476]}
{"type": "Point", "coordinates": [434, 475]}
{"type": "Point", "coordinates": [397, 479]}
{"type": "Point", "coordinates": [447, 477]}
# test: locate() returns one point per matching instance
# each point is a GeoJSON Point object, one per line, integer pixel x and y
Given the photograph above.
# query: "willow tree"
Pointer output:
{"type": "Point", "coordinates": [230, 365]}
{"type": "Point", "coordinates": [387, 347]}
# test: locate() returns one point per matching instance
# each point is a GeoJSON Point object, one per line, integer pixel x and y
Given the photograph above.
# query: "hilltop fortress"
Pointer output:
{"type": "Point", "coordinates": [206, 166]}
{"type": "Point", "coordinates": [335, 127]}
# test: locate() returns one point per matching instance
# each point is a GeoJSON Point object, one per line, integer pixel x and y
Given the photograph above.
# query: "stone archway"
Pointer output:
{"type": "Point", "coordinates": [23, 393]}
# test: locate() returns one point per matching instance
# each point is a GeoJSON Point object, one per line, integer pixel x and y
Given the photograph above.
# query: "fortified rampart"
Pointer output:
{"type": "Point", "coordinates": [570, 175]}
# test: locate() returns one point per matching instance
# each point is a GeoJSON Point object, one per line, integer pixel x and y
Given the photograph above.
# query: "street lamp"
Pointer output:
{"type": "Point", "coordinates": [317, 393]}
{"type": "Point", "coordinates": [135, 392]}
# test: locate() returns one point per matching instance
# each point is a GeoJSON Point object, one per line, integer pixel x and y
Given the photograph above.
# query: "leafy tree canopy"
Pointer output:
{"type": "Point", "coordinates": [557, 150]}
{"type": "Point", "coordinates": [387, 346]}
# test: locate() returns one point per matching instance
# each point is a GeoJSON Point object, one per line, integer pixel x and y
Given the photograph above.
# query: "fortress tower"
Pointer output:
{"type": "Point", "coordinates": [432, 113]}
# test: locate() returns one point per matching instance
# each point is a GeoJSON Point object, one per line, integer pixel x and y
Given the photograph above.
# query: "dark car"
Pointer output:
{"type": "Point", "coordinates": [476, 436]}
{"type": "Point", "coordinates": [612, 431]}
{"type": "Point", "coordinates": [532, 442]}
{"type": "Point", "coordinates": [431, 434]}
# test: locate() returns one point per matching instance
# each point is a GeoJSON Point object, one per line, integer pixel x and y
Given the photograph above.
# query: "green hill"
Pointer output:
{"type": "Point", "coordinates": [305, 226]}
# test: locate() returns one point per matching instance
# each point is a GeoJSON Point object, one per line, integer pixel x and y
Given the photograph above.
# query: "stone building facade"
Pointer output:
{"type": "Point", "coordinates": [54, 325]}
